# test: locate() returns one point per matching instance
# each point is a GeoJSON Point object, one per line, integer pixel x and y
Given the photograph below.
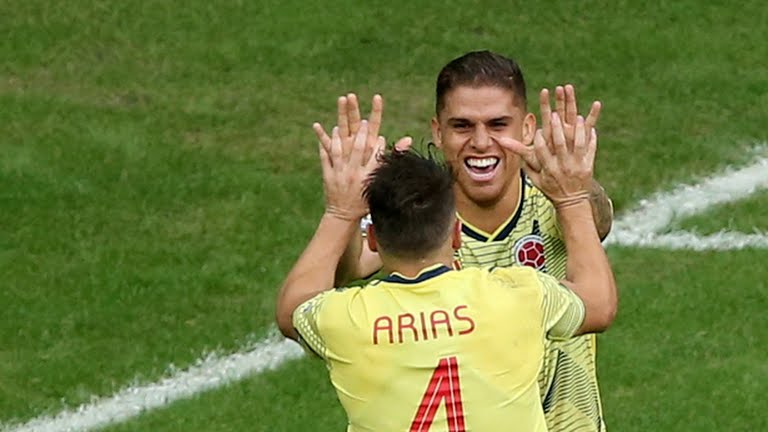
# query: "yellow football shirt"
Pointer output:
{"type": "Point", "coordinates": [531, 237]}
{"type": "Point", "coordinates": [446, 351]}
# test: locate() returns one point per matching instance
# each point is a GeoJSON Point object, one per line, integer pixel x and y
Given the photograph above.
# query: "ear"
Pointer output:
{"type": "Point", "coordinates": [529, 128]}
{"type": "Point", "coordinates": [437, 136]}
{"type": "Point", "coordinates": [456, 235]}
{"type": "Point", "coordinates": [371, 238]}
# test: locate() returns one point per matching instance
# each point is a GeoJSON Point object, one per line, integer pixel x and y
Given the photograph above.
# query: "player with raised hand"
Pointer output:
{"type": "Point", "coordinates": [429, 347]}
{"type": "Point", "coordinates": [357, 258]}
{"type": "Point", "coordinates": [506, 219]}
{"type": "Point", "coordinates": [344, 173]}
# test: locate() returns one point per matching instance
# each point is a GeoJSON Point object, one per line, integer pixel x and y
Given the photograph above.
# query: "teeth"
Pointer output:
{"type": "Point", "coordinates": [482, 163]}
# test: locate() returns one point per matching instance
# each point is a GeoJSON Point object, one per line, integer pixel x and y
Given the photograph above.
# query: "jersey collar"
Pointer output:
{"type": "Point", "coordinates": [426, 274]}
{"type": "Point", "coordinates": [502, 231]}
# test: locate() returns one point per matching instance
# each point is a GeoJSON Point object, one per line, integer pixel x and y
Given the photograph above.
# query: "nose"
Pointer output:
{"type": "Point", "coordinates": [481, 139]}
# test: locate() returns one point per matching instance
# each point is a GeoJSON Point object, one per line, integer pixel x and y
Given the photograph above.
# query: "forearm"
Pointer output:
{"type": "Point", "coordinates": [588, 271]}
{"type": "Point", "coordinates": [602, 209]}
{"type": "Point", "coordinates": [347, 270]}
{"type": "Point", "coordinates": [314, 271]}
{"type": "Point", "coordinates": [357, 262]}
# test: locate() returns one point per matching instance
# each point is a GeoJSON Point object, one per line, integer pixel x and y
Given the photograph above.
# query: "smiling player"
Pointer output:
{"type": "Point", "coordinates": [506, 219]}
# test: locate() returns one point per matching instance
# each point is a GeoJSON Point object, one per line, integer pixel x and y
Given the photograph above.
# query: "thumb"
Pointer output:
{"type": "Point", "coordinates": [526, 153]}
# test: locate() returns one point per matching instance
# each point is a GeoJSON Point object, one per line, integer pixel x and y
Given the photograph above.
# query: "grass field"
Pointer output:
{"type": "Point", "coordinates": [158, 176]}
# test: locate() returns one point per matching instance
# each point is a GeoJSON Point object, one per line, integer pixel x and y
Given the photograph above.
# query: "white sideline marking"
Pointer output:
{"type": "Point", "coordinates": [641, 227]}
{"type": "Point", "coordinates": [209, 373]}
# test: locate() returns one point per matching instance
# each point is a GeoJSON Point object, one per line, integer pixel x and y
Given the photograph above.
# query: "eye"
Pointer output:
{"type": "Point", "coordinates": [461, 125]}
{"type": "Point", "coordinates": [498, 124]}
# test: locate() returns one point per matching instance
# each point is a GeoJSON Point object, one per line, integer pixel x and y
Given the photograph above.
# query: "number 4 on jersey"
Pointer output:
{"type": "Point", "coordinates": [443, 388]}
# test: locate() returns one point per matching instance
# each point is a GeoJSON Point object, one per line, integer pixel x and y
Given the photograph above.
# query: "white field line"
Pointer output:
{"type": "Point", "coordinates": [721, 241]}
{"type": "Point", "coordinates": [638, 228]}
{"type": "Point", "coordinates": [642, 227]}
{"type": "Point", "coordinates": [209, 373]}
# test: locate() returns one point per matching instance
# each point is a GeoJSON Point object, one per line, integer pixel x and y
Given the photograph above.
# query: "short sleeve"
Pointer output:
{"type": "Point", "coordinates": [306, 322]}
{"type": "Point", "coordinates": [563, 310]}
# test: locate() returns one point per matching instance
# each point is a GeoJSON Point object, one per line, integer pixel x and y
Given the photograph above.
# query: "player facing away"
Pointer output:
{"type": "Point", "coordinates": [430, 347]}
{"type": "Point", "coordinates": [506, 219]}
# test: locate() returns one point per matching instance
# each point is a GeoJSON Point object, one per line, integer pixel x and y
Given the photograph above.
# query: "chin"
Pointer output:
{"type": "Point", "coordinates": [485, 196]}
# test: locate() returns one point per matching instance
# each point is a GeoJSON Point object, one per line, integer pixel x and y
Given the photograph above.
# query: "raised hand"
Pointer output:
{"type": "Point", "coordinates": [567, 110]}
{"type": "Point", "coordinates": [345, 174]}
{"type": "Point", "coordinates": [561, 171]}
{"type": "Point", "coordinates": [349, 121]}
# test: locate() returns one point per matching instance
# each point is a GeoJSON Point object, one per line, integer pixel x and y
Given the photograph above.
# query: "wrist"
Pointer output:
{"type": "Point", "coordinates": [576, 199]}
{"type": "Point", "coordinates": [574, 208]}
{"type": "Point", "coordinates": [343, 214]}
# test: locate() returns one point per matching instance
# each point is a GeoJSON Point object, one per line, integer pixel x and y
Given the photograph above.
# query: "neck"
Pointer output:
{"type": "Point", "coordinates": [489, 217]}
{"type": "Point", "coordinates": [411, 268]}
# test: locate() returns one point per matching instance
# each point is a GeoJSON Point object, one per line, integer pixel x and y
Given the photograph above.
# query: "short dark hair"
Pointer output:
{"type": "Point", "coordinates": [411, 201]}
{"type": "Point", "coordinates": [480, 68]}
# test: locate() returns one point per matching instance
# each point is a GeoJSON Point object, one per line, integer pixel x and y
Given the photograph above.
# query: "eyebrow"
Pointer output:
{"type": "Point", "coordinates": [495, 119]}
{"type": "Point", "coordinates": [502, 118]}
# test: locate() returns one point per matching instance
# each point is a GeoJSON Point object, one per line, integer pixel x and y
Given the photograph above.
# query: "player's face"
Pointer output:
{"type": "Point", "coordinates": [468, 129]}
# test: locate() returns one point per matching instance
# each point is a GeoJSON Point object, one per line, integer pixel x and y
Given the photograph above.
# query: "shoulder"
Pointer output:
{"type": "Point", "coordinates": [515, 276]}
{"type": "Point", "coordinates": [325, 303]}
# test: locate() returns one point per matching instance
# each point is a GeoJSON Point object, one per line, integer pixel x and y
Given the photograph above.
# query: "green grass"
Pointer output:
{"type": "Point", "coordinates": [159, 176]}
{"type": "Point", "coordinates": [686, 350]}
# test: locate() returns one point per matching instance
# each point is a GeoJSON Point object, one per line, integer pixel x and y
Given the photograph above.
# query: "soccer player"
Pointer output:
{"type": "Point", "coordinates": [429, 346]}
{"type": "Point", "coordinates": [506, 219]}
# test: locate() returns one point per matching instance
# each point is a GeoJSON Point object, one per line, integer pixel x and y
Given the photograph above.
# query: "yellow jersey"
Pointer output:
{"type": "Point", "coordinates": [448, 350]}
{"type": "Point", "coordinates": [532, 237]}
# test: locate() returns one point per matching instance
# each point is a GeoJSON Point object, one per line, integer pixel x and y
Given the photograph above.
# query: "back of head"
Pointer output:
{"type": "Point", "coordinates": [412, 206]}
{"type": "Point", "coordinates": [480, 68]}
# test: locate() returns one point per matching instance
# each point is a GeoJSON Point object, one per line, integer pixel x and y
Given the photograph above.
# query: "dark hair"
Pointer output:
{"type": "Point", "coordinates": [480, 68]}
{"type": "Point", "coordinates": [411, 201]}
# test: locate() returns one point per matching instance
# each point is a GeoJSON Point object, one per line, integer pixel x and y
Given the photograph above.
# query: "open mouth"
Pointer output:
{"type": "Point", "coordinates": [481, 169]}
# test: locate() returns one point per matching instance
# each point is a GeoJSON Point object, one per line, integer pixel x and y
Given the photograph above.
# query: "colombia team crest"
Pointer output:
{"type": "Point", "coordinates": [529, 251]}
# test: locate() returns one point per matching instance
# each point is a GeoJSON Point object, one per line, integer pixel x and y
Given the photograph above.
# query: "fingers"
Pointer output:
{"type": "Point", "coordinates": [560, 101]}
{"type": "Point", "coordinates": [336, 152]}
{"type": "Point", "coordinates": [571, 110]}
{"type": "Point", "coordinates": [374, 120]}
{"type": "Point", "coordinates": [403, 144]}
{"type": "Point", "coordinates": [342, 119]}
{"type": "Point", "coordinates": [593, 116]}
{"type": "Point", "coordinates": [546, 114]}
{"type": "Point", "coordinates": [542, 152]}
{"type": "Point", "coordinates": [359, 147]}
{"type": "Point", "coordinates": [559, 145]}
{"type": "Point", "coordinates": [526, 153]}
{"type": "Point", "coordinates": [322, 136]}
{"type": "Point", "coordinates": [353, 114]}
{"type": "Point", "coordinates": [592, 147]}
{"type": "Point", "coordinates": [580, 140]}
{"type": "Point", "coordinates": [325, 163]}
